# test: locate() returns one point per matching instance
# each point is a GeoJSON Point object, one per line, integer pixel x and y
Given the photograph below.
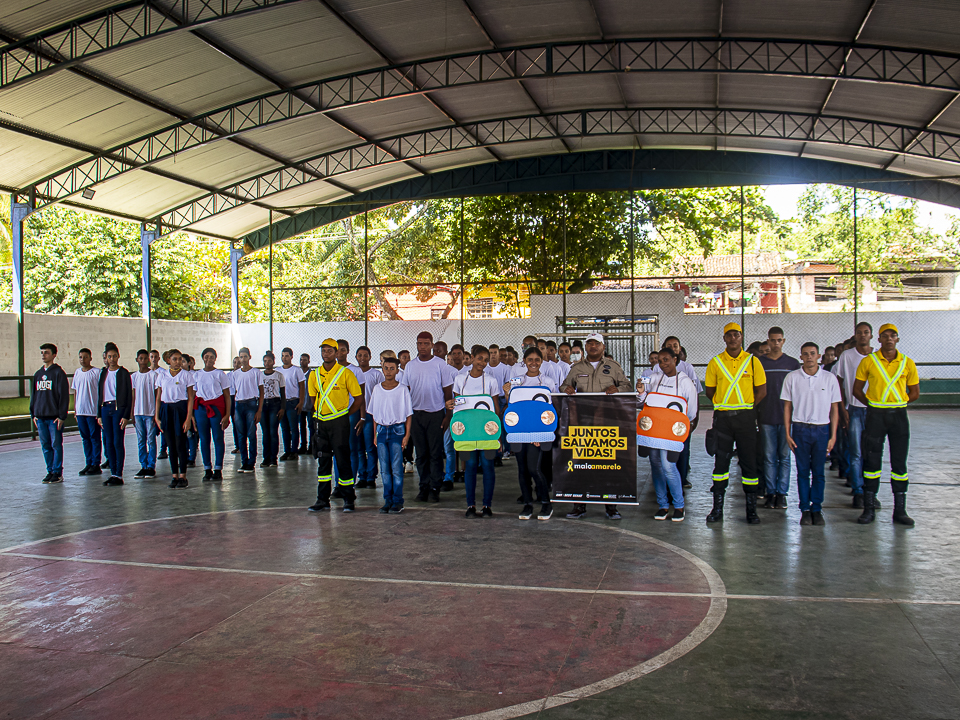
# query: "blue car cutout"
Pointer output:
{"type": "Point", "coordinates": [530, 415]}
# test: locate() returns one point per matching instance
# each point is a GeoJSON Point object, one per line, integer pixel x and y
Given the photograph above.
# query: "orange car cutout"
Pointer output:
{"type": "Point", "coordinates": [662, 423]}
{"type": "Point", "coordinates": [474, 426]}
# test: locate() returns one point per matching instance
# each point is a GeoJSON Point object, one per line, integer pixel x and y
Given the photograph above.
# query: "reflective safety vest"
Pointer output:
{"type": "Point", "coordinates": [727, 402]}
{"type": "Point", "coordinates": [890, 397]}
{"type": "Point", "coordinates": [323, 397]}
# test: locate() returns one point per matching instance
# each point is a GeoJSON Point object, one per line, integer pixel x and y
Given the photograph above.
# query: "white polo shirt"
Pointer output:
{"type": "Point", "coordinates": [811, 395]}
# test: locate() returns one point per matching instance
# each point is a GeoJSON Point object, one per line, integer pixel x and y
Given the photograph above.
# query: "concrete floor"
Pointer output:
{"type": "Point", "coordinates": [272, 612]}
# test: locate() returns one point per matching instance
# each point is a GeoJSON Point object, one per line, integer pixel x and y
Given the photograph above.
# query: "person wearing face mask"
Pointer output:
{"type": "Point", "coordinates": [595, 374]}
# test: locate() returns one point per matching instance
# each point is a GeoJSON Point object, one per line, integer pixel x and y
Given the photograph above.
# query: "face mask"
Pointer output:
{"type": "Point", "coordinates": [575, 358]}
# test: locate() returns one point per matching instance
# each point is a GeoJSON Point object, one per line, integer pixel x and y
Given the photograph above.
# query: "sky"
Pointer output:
{"type": "Point", "coordinates": [783, 200]}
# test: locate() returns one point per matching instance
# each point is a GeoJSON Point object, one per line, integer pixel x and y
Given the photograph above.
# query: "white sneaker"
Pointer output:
{"type": "Point", "coordinates": [408, 469]}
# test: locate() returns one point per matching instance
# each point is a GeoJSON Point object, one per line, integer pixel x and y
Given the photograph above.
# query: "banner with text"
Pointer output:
{"type": "Point", "coordinates": [595, 460]}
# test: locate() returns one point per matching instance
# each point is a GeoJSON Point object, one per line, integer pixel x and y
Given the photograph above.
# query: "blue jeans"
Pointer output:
{"type": "Point", "coordinates": [90, 434]}
{"type": "Point", "coordinates": [474, 458]}
{"type": "Point", "coordinates": [290, 425]}
{"type": "Point", "coordinates": [247, 430]}
{"type": "Point", "coordinates": [811, 451]}
{"type": "Point", "coordinates": [683, 462]}
{"type": "Point", "coordinates": [356, 446]}
{"type": "Point", "coordinates": [858, 416]}
{"type": "Point", "coordinates": [776, 458]}
{"type": "Point", "coordinates": [368, 453]}
{"type": "Point", "coordinates": [390, 451]}
{"type": "Point", "coordinates": [207, 427]}
{"type": "Point", "coordinates": [233, 421]}
{"type": "Point", "coordinates": [270, 425]}
{"type": "Point", "coordinates": [448, 450]}
{"type": "Point", "coordinates": [666, 475]}
{"type": "Point", "coordinates": [146, 440]}
{"type": "Point", "coordinates": [51, 441]}
{"type": "Point", "coordinates": [113, 438]}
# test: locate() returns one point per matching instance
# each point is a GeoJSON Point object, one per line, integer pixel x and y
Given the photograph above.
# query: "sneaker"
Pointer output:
{"type": "Point", "coordinates": [191, 463]}
{"type": "Point", "coordinates": [471, 512]}
{"type": "Point", "coordinates": [771, 502]}
{"type": "Point", "coordinates": [142, 474]}
{"type": "Point", "coordinates": [661, 514]}
{"type": "Point", "coordinates": [385, 509]}
{"type": "Point", "coordinates": [421, 496]}
{"type": "Point", "coordinates": [175, 482]}
{"type": "Point", "coordinates": [497, 462]}
{"type": "Point", "coordinates": [527, 512]}
{"type": "Point", "coordinates": [447, 486]}
{"type": "Point", "coordinates": [151, 472]}
{"type": "Point", "coordinates": [408, 469]}
{"type": "Point", "coordinates": [235, 451]}
{"type": "Point", "coordinates": [273, 463]}
{"type": "Point", "coordinates": [360, 484]}
{"type": "Point", "coordinates": [576, 514]}
{"type": "Point", "coordinates": [546, 511]}
{"type": "Point", "coordinates": [82, 472]}
{"type": "Point", "coordinates": [183, 483]}
{"type": "Point", "coordinates": [48, 478]}
{"type": "Point", "coordinates": [264, 464]}
{"type": "Point", "coordinates": [805, 518]}
{"type": "Point", "coordinates": [207, 475]}
{"type": "Point", "coordinates": [217, 476]}
{"type": "Point", "coordinates": [57, 478]}
{"type": "Point", "coordinates": [677, 515]}
{"type": "Point", "coordinates": [817, 518]}
{"type": "Point", "coordinates": [858, 501]}
{"type": "Point", "coordinates": [434, 496]}
{"type": "Point", "coordinates": [105, 465]}
{"type": "Point", "coordinates": [396, 509]}
{"type": "Point", "coordinates": [319, 507]}
{"type": "Point", "coordinates": [781, 502]}
{"type": "Point", "coordinates": [686, 485]}
{"type": "Point", "coordinates": [113, 480]}
{"type": "Point", "coordinates": [613, 515]}
{"type": "Point", "coordinates": [163, 455]}
{"type": "Point", "coordinates": [284, 457]}
{"type": "Point", "coordinates": [486, 512]}
{"type": "Point", "coordinates": [95, 470]}
{"type": "Point", "coordinates": [348, 508]}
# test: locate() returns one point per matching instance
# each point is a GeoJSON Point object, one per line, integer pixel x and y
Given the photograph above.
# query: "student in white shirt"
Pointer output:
{"type": "Point", "coordinates": [477, 382]}
{"type": "Point", "coordinates": [274, 408]}
{"type": "Point", "coordinates": [666, 476]}
{"type": "Point", "coordinates": [115, 400]}
{"type": "Point", "coordinates": [357, 457]}
{"type": "Point", "coordinates": [144, 408]}
{"type": "Point", "coordinates": [811, 406]}
{"type": "Point", "coordinates": [84, 386]}
{"type": "Point", "coordinates": [294, 383]}
{"type": "Point", "coordinates": [431, 386]}
{"type": "Point", "coordinates": [853, 413]}
{"type": "Point", "coordinates": [529, 459]}
{"type": "Point", "coordinates": [392, 412]}
{"type": "Point", "coordinates": [367, 472]}
{"type": "Point", "coordinates": [193, 437]}
{"type": "Point", "coordinates": [209, 389]}
{"type": "Point", "coordinates": [683, 463]}
{"type": "Point", "coordinates": [248, 383]}
{"type": "Point", "coordinates": [173, 415]}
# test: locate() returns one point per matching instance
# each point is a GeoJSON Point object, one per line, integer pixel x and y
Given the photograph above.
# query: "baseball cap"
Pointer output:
{"type": "Point", "coordinates": [331, 342]}
{"type": "Point", "coordinates": [887, 326]}
{"type": "Point", "coordinates": [732, 326]}
{"type": "Point", "coordinates": [595, 336]}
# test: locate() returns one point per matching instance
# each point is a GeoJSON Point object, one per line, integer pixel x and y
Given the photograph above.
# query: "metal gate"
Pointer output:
{"type": "Point", "coordinates": [629, 338]}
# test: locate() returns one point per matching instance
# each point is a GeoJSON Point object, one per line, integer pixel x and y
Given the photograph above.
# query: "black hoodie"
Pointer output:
{"type": "Point", "coordinates": [50, 393]}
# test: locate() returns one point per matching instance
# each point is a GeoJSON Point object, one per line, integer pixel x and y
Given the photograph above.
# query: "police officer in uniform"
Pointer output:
{"type": "Point", "coordinates": [330, 387]}
{"type": "Point", "coordinates": [736, 384]}
{"type": "Point", "coordinates": [886, 381]}
{"type": "Point", "coordinates": [595, 374]}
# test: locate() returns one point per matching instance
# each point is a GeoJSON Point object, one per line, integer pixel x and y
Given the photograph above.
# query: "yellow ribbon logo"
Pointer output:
{"type": "Point", "coordinates": [569, 465]}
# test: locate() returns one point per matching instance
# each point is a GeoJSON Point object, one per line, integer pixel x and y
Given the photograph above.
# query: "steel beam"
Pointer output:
{"type": "Point", "coordinates": [614, 170]}
{"type": "Point", "coordinates": [779, 58]}
{"type": "Point", "coordinates": [18, 216]}
{"type": "Point", "coordinates": [146, 238]}
{"type": "Point", "coordinates": [588, 123]}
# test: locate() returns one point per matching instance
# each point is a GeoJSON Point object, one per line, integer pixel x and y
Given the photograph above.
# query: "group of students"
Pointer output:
{"type": "Point", "coordinates": [361, 422]}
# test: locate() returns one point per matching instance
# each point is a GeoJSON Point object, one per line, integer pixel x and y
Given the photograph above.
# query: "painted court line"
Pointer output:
{"type": "Point", "coordinates": [483, 586]}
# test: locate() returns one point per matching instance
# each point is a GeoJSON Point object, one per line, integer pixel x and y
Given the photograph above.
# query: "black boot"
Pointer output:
{"type": "Point", "coordinates": [900, 510]}
{"type": "Point", "coordinates": [752, 517]}
{"type": "Point", "coordinates": [716, 515]}
{"type": "Point", "coordinates": [869, 513]}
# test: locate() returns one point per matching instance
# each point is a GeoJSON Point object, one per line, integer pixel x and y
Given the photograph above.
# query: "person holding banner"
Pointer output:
{"type": "Point", "coordinates": [595, 374]}
{"type": "Point", "coordinates": [736, 384]}
{"type": "Point", "coordinates": [529, 464]}
{"type": "Point", "coordinates": [669, 381]}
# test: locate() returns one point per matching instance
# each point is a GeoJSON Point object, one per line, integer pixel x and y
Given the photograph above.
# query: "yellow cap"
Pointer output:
{"type": "Point", "coordinates": [732, 326]}
{"type": "Point", "coordinates": [331, 342]}
{"type": "Point", "coordinates": [888, 326]}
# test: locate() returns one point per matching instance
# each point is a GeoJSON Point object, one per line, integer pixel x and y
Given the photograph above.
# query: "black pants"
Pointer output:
{"type": "Point", "coordinates": [428, 441]}
{"type": "Point", "coordinates": [172, 418]}
{"type": "Point", "coordinates": [332, 440]}
{"type": "Point", "coordinates": [890, 424]}
{"type": "Point", "coordinates": [307, 429]}
{"type": "Point", "coordinates": [736, 428]}
{"type": "Point", "coordinates": [529, 468]}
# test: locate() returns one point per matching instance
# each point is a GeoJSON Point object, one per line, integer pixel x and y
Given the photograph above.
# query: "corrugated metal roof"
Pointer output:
{"type": "Point", "coordinates": [762, 92]}
{"type": "Point", "coordinates": [303, 137]}
{"type": "Point", "coordinates": [669, 89]}
{"type": "Point", "coordinates": [142, 194]}
{"type": "Point", "coordinates": [216, 164]}
{"type": "Point", "coordinates": [821, 19]}
{"type": "Point", "coordinates": [393, 117]}
{"type": "Point", "coordinates": [926, 24]}
{"type": "Point", "coordinates": [571, 92]}
{"type": "Point", "coordinates": [312, 193]}
{"type": "Point", "coordinates": [26, 17]}
{"type": "Point", "coordinates": [455, 159]}
{"type": "Point", "coordinates": [23, 159]}
{"type": "Point", "coordinates": [235, 222]}
{"type": "Point", "coordinates": [375, 177]}
{"type": "Point", "coordinates": [520, 22]}
{"type": "Point", "coordinates": [656, 18]}
{"type": "Point", "coordinates": [886, 103]}
{"type": "Point", "coordinates": [478, 102]}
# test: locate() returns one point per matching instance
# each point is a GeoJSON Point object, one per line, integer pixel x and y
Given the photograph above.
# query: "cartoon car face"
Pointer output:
{"type": "Point", "coordinates": [530, 416]}
{"type": "Point", "coordinates": [474, 425]}
{"type": "Point", "coordinates": [663, 423]}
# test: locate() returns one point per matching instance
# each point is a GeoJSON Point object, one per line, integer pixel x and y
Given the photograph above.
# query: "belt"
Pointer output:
{"type": "Point", "coordinates": [109, 402]}
{"type": "Point", "coordinates": [884, 410]}
{"type": "Point", "coordinates": [731, 413]}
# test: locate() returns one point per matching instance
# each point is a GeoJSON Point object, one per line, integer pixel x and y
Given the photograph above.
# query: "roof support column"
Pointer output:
{"type": "Point", "coordinates": [18, 217]}
{"type": "Point", "coordinates": [146, 238]}
{"type": "Point", "coordinates": [235, 255]}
